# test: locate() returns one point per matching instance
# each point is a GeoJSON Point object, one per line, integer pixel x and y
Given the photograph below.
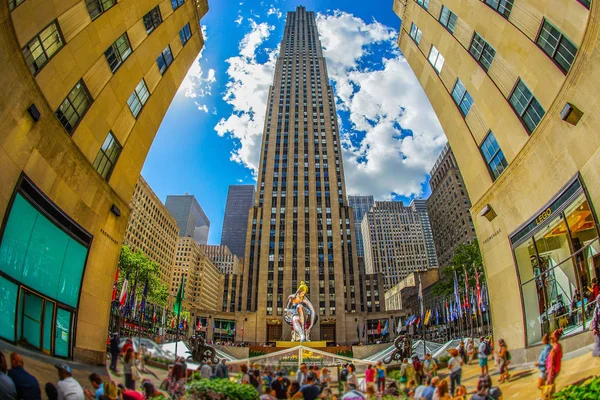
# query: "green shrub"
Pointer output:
{"type": "Point", "coordinates": [588, 389]}
{"type": "Point", "coordinates": [256, 353]}
{"type": "Point", "coordinates": [394, 375]}
{"type": "Point", "coordinates": [444, 359]}
{"type": "Point", "coordinates": [219, 389]}
{"type": "Point", "coordinates": [345, 353]}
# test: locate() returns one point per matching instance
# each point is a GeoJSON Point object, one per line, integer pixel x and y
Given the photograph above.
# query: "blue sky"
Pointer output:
{"type": "Point", "coordinates": [210, 137]}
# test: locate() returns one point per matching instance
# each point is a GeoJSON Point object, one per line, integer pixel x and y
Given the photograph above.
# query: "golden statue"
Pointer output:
{"type": "Point", "coordinates": [300, 314]}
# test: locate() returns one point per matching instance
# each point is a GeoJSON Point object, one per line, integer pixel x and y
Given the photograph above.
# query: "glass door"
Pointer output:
{"type": "Point", "coordinates": [31, 311]}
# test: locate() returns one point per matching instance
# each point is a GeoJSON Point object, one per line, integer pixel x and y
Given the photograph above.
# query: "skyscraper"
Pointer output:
{"type": "Point", "coordinates": [395, 243]}
{"type": "Point", "coordinates": [190, 217]}
{"type": "Point", "coordinates": [360, 206]}
{"type": "Point", "coordinates": [420, 207]}
{"type": "Point", "coordinates": [300, 227]}
{"type": "Point", "coordinates": [235, 220]}
{"type": "Point", "coordinates": [448, 207]}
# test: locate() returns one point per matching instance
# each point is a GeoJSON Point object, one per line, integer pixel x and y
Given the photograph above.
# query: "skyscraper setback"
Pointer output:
{"type": "Point", "coordinates": [300, 227]}
{"type": "Point", "coordinates": [360, 206]}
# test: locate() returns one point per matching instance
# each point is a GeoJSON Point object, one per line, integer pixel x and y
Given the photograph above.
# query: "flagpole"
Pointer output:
{"type": "Point", "coordinates": [177, 330]}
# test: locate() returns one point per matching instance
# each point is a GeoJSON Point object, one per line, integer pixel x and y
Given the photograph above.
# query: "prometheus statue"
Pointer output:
{"type": "Point", "coordinates": [300, 314]}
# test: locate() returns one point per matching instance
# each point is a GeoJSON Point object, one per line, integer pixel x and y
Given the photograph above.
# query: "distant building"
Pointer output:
{"type": "Point", "coordinates": [202, 276]}
{"type": "Point", "coordinates": [420, 206]}
{"type": "Point", "coordinates": [360, 206]}
{"type": "Point", "coordinates": [405, 295]}
{"type": "Point", "coordinates": [448, 207]}
{"type": "Point", "coordinates": [190, 217]}
{"type": "Point", "coordinates": [235, 220]}
{"type": "Point", "coordinates": [152, 229]}
{"type": "Point", "coordinates": [395, 242]}
{"type": "Point", "coordinates": [222, 257]}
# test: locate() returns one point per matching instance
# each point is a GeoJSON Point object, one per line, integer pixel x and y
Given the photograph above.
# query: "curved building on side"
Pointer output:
{"type": "Point", "coordinates": [515, 86]}
{"type": "Point", "coordinates": [85, 87]}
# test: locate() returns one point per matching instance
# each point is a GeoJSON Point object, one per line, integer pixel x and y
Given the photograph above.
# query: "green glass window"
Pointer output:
{"type": "Point", "coordinates": [152, 19]}
{"type": "Point", "coordinates": [448, 19]}
{"type": "Point", "coordinates": [482, 51]}
{"type": "Point", "coordinates": [415, 33]}
{"type": "Point", "coordinates": [138, 98]}
{"type": "Point", "coordinates": [39, 254]}
{"type": "Point", "coordinates": [31, 329]}
{"type": "Point", "coordinates": [8, 307]}
{"type": "Point", "coordinates": [97, 7]}
{"type": "Point", "coordinates": [62, 337]}
{"type": "Point", "coordinates": [423, 3]}
{"type": "Point", "coordinates": [526, 106]}
{"type": "Point", "coordinates": [48, 324]}
{"type": "Point", "coordinates": [503, 7]}
{"type": "Point", "coordinates": [118, 52]}
{"type": "Point", "coordinates": [74, 107]}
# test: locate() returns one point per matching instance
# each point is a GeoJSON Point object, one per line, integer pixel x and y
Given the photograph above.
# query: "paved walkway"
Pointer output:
{"type": "Point", "coordinates": [523, 379]}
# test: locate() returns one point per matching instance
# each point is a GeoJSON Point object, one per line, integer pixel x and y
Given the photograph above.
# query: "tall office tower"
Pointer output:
{"type": "Point", "coordinates": [448, 207]}
{"type": "Point", "coordinates": [395, 242]}
{"type": "Point", "coordinates": [190, 217]}
{"type": "Point", "coordinates": [360, 206]}
{"type": "Point", "coordinates": [85, 86]}
{"type": "Point", "coordinates": [515, 87]}
{"type": "Point", "coordinates": [235, 220]}
{"type": "Point", "coordinates": [300, 227]}
{"type": "Point", "coordinates": [152, 229]}
{"type": "Point", "coordinates": [420, 207]}
{"type": "Point", "coordinates": [222, 257]}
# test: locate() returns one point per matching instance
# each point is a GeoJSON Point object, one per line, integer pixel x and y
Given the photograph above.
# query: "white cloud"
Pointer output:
{"type": "Point", "coordinates": [198, 83]}
{"type": "Point", "coordinates": [247, 91]}
{"type": "Point", "coordinates": [380, 103]}
{"type": "Point", "coordinates": [239, 20]}
{"type": "Point", "coordinates": [274, 11]}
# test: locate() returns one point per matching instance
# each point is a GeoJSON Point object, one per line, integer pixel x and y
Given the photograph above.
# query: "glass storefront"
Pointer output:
{"type": "Point", "coordinates": [555, 254]}
{"type": "Point", "coordinates": [42, 259]}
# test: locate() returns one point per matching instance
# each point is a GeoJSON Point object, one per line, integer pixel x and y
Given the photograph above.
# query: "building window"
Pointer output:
{"type": "Point", "coordinates": [176, 4]}
{"type": "Point", "coordinates": [118, 52]}
{"type": "Point", "coordinates": [74, 107]}
{"type": "Point", "coordinates": [436, 59]}
{"type": "Point", "coordinates": [97, 7]}
{"type": "Point", "coordinates": [493, 155]}
{"type": "Point", "coordinates": [107, 156]}
{"type": "Point", "coordinates": [185, 34]}
{"type": "Point", "coordinates": [415, 33]}
{"type": "Point", "coordinates": [526, 106]}
{"type": "Point", "coordinates": [503, 7]}
{"type": "Point", "coordinates": [152, 19]}
{"type": "Point", "coordinates": [138, 98]}
{"type": "Point", "coordinates": [462, 98]}
{"type": "Point", "coordinates": [12, 4]}
{"type": "Point", "coordinates": [42, 47]}
{"type": "Point", "coordinates": [557, 46]}
{"type": "Point", "coordinates": [423, 3]}
{"type": "Point", "coordinates": [586, 3]}
{"type": "Point", "coordinates": [482, 51]}
{"type": "Point", "coordinates": [448, 19]}
{"type": "Point", "coordinates": [164, 59]}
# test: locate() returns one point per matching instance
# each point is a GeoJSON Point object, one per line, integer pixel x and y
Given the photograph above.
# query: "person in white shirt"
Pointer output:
{"type": "Point", "coordinates": [455, 366]}
{"type": "Point", "coordinates": [67, 387]}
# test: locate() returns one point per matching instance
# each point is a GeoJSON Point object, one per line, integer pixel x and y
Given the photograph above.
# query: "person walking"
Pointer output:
{"type": "Point", "coordinates": [485, 391]}
{"type": "Point", "coordinates": [8, 391]}
{"type": "Point", "coordinates": [352, 378]}
{"type": "Point", "coordinates": [596, 328]}
{"type": "Point", "coordinates": [310, 391]}
{"type": "Point", "coordinates": [370, 376]}
{"type": "Point", "coordinates": [280, 386]}
{"type": "Point", "coordinates": [302, 374]}
{"type": "Point", "coordinates": [554, 359]}
{"type": "Point", "coordinates": [470, 351]}
{"type": "Point", "coordinates": [430, 366]}
{"type": "Point", "coordinates": [97, 385]}
{"type": "Point", "coordinates": [206, 370]}
{"type": "Point", "coordinates": [177, 382]}
{"type": "Point", "coordinates": [455, 366]}
{"type": "Point", "coordinates": [541, 362]}
{"type": "Point", "coordinates": [483, 351]}
{"type": "Point", "coordinates": [129, 369]}
{"type": "Point", "coordinates": [114, 351]}
{"type": "Point", "coordinates": [27, 386]}
{"type": "Point", "coordinates": [221, 371]}
{"type": "Point", "coordinates": [461, 351]}
{"type": "Point", "coordinates": [325, 378]}
{"type": "Point", "coordinates": [503, 358]}
{"type": "Point", "coordinates": [380, 377]}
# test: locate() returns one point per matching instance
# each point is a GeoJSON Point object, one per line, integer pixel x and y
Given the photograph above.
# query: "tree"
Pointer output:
{"type": "Point", "coordinates": [137, 263]}
{"type": "Point", "coordinates": [466, 257]}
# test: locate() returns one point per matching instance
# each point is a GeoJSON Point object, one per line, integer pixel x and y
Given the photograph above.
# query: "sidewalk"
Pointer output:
{"type": "Point", "coordinates": [523, 378]}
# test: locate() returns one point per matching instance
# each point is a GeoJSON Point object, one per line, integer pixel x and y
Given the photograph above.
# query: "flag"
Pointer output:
{"type": "Point", "coordinates": [379, 327]}
{"type": "Point", "coordinates": [456, 294]}
{"type": "Point", "coordinates": [364, 329]}
{"type": "Point", "coordinates": [447, 314]}
{"type": "Point", "coordinates": [178, 305]}
{"type": "Point", "coordinates": [385, 328]}
{"type": "Point", "coordinates": [421, 295]}
{"type": "Point", "coordinates": [199, 326]}
{"type": "Point", "coordinates": [154, 314]}
{"type": "Point", "coordinates": [484, 297]}
{"type": "Point", "coordinates": [114, 293]}
{"type": "Point", "coordinates": [123, 295]}
{"type": "Point", "coordinates": [143, 304]}
{"type": "Point", "coordinates": [437, 316]}
{"type": "Point", "coordinates": [473, 308]}
{"type": "Point", "coordinates": [478, 289]}
{"type": "Point", "coordinates": [229, 332]}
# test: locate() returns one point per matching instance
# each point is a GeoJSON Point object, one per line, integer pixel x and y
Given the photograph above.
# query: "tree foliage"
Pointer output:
{"type": "Point", "coordinates": [466, 258]}
{"type": "Point", "coordinates": [137, 264]}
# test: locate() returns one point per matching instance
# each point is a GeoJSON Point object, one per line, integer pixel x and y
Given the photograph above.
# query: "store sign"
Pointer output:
{"type": "Point", "coordinates": [543, 216]}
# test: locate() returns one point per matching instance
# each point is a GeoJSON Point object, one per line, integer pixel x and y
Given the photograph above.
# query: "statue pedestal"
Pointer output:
{"type": "Point", "coordinates": [315, 345]}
